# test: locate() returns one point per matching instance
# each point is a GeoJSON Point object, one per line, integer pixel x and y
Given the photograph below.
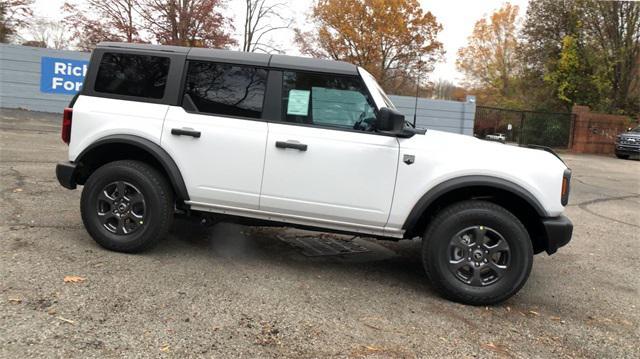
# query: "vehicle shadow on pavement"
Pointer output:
{"type": "Point", "coordinates": [396, 264]}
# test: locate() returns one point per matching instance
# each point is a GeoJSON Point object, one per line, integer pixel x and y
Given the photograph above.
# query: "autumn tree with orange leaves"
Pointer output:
{"type": "Point", "coordinates": [490, 59]}
{"type": "Point", "coordinates": [168, 22]}
{"type": "Point", "coordinates": [92, 21]}
{"type": "Point", "coordinates": [392, 39]}
{"type": "Point", "coordinates": [198, 23]}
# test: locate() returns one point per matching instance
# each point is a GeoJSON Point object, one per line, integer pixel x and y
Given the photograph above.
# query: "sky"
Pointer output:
{"type": "Point", "coordinates": [456, 16]}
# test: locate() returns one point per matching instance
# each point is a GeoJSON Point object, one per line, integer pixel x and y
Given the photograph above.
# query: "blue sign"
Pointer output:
{"type": "Point", "coordinates": [62, 76]}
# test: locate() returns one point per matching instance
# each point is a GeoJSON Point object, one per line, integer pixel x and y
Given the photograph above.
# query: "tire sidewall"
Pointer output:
{"type": "Point", "coordinates": [89, 201]}
{"type": "Point", "coordinates": [436, 253]}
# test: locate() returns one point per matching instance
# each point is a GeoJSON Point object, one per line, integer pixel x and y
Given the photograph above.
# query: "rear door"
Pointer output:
{"type": "Point", "coordinates": [323, 160]}
{"type": "Point", "coordinates": [217, 138]}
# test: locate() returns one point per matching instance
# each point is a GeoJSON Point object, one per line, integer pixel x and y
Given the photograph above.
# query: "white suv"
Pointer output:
{"type": "Point", "coordinates": [280, 140]}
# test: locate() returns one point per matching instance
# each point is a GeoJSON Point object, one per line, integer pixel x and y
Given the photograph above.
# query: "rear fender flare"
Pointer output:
{"type": "Point", "coordinates": [157, 152]}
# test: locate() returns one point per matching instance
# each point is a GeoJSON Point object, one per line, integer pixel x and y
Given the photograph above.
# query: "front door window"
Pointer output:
{"type": "Point", "coordinates": [327, 101]}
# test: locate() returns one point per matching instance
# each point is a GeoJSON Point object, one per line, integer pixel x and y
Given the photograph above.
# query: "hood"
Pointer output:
{"type": "Point", "coordinates": [630, 135]}
{"type": "Point", "coordinates": [455, 146]}
{"type": "Point", "coordinates": [439, 157]}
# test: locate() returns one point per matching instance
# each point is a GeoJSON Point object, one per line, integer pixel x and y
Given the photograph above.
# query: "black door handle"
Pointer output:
{"type": "Point", "coordinates": [182, 132]}
{"type": "Point", "coordinates": [294, 145]}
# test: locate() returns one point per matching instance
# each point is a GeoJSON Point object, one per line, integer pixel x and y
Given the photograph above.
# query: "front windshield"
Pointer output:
{"type": "Point", "coordinates": [373, 85]}
{"type": "Point", "coordinates": [637, 129]}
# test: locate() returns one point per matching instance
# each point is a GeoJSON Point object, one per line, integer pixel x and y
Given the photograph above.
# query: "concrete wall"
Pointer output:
{"type": "Point", "coordinates": [20, 68]}
{"type": "Point", "coordinates": [442, 115]}
{"type": "Point", "coordinates": [21, 84]}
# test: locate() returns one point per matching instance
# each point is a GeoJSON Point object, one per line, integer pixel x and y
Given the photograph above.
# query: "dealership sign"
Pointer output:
{"type": "Point", "coordinates": [62, 76]}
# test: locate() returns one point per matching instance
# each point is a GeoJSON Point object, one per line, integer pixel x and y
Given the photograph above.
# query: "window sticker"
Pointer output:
{"type": "Point", "coordinates": [298, 102]}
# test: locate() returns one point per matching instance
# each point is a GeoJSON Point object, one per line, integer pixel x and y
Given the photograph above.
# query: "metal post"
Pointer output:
{"type": "Point", "coordinates": [521, 137]}
{"type": "Point", "coordinates": [415, 106]}
{"type": "Point", "coordinates": [572, 130]}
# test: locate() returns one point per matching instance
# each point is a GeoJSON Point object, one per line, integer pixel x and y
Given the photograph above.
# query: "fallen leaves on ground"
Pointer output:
{"type": "Point", "coordinates": [74, 279]}
{"type": "Point", "coordinates": [498, 348]}
{"type": "Point", "coordinates": [17, 190]}
{"type": "Point", "coordinates": [15, 300]}
{"type": "Point", "coordinates": [366, 351]}
{"type": "Point", "coordinates": [557, 319]}
{"type": "Point", "coordinates": [69, 321]}
{"type": "Point", "coordinates": [165, 349]}
{"type": "Point", "coordinates": [371, 326]}
{"type": "Point", "coordinates": [373, 322]}
{"type": "Point", "coordinates": [269, 334]}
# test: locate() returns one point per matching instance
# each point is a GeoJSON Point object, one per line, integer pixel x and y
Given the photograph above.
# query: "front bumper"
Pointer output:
{"type": "Point", "coordinates": [558, 231]}
{"type": "Point", "coordinates": [65, 171]}
{"type": "Point", "coordinates": [622, 149]}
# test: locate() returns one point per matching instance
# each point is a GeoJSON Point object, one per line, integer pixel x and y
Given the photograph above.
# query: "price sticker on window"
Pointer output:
{"type": "Point", "coordinates": [298, 103]}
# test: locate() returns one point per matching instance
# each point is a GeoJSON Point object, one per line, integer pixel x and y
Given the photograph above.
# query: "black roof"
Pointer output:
{"type": "Point", "coordinates": [244, 58]}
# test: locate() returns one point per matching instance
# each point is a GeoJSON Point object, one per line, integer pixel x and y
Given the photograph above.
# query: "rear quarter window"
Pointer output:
{"type": "Point", "coordinates": [132, 75]}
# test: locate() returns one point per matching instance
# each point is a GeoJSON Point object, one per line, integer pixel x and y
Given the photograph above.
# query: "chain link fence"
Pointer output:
{"type": "Point", "coordinates": [551, 129]}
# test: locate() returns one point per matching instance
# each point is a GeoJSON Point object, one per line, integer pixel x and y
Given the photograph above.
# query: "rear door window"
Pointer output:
{"type": "Point", "coordinates": [226, 89]}
{"type": "Point", "coordinates": [132, 75]}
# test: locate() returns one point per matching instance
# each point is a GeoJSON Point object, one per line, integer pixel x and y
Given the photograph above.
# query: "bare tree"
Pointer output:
{"type": "Point", "coordinates": [443, 90]}
{"type": "Point", "coordinates": [14, 14]}
{"type": "Point", "coordinates": [120, 15]}
{"type": "Point", "coordinates": [259, 19]}
{"type": "Point", "coordinates": [33, 43]}
{"type": "Point", "coordinates": [49, 34]}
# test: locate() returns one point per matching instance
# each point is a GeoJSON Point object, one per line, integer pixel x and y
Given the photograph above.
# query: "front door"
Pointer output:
{"type": "Point", "coordinates": [324, 161]}
{"type": "Point", "coordinates": [217, 138]}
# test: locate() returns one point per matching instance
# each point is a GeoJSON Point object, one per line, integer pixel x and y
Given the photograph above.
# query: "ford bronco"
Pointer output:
{"type": "Point", "coordinates": [291, 141]}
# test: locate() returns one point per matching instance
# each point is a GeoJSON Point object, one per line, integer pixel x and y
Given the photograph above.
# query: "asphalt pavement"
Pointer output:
{"type": "Point", "coordinates": [233, 291]}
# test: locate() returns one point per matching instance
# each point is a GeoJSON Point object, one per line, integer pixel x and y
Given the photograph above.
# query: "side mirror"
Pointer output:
{"type": "Point", "coordinates": [389, 120]}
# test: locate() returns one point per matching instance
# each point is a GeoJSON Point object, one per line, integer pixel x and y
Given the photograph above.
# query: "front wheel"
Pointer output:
{"type": "Point", "coordinates": [476, 252]}
{"type": "Point", "coordinates": [621, 156]}
{"type": "Point", "coordinates": [127, 206]}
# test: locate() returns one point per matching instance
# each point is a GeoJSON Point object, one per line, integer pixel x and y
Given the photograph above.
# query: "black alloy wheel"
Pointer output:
{"type": "Point", "coordinates": [476, 252]}
{"type": "Point", "coordinates": [121, 208]}
{"type": "Point", "coordinates": [127, 206]}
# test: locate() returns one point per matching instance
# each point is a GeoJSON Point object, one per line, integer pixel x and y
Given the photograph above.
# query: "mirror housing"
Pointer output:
{"type": "Point", "coordinates": [389, 120]}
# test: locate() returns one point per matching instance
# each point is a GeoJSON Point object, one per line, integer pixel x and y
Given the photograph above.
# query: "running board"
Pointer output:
{"type": "Point", "coordinates": [294, 219]}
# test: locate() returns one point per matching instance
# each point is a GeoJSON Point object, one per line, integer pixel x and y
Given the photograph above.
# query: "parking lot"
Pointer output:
{"type": "Point", "coordinates": [233, 291]}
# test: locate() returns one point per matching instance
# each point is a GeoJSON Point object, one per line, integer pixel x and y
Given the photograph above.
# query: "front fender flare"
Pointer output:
{"type": "Point", "coordinates": [469, 181]}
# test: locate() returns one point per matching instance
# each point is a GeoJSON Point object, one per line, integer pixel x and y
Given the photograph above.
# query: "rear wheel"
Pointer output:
{"type": "Point", "coordinates": [127, 206]}
{"type": "Point", "coordinates": [476, 252]}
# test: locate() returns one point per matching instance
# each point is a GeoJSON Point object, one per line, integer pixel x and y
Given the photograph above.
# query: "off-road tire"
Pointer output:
{"type": "Point", "coordinates": [159, 205]}
{"type": "Point", "coordinates": [436, 251]}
